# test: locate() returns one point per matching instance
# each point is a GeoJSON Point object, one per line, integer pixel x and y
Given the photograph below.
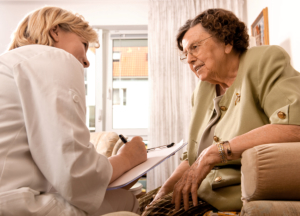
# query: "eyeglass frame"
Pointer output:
{"type": "Point", "coordinates": [183, 55]}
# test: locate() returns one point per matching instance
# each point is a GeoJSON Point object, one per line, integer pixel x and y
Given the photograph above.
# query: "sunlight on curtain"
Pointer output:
{"type": "Point", "coordinates": [171, 82]}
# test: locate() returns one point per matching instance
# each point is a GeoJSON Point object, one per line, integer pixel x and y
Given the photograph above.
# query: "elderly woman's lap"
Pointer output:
{"type": "Point", "coordinates": [164, 206]}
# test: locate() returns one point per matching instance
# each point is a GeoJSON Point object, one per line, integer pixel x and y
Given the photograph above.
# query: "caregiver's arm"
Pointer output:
{"type": "Point", "coordinates": [130, 155]}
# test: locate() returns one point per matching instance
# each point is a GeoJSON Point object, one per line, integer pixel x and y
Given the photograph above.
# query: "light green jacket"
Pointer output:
{"type": "Point", "coordinates": [267, 84]}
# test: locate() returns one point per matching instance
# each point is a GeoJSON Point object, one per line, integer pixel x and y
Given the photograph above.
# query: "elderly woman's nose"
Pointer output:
{"type": "Point", "coordinates": [190, 58]}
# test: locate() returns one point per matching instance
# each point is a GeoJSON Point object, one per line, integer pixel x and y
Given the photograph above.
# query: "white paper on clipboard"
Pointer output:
{"type": "Point", "coordinates": [154, 158]}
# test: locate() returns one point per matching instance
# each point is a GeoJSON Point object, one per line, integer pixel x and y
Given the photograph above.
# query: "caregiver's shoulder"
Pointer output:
{"type": "Point", "coordinates": [28, 52]}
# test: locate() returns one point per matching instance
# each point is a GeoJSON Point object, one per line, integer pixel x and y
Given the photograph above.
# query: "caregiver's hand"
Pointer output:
{"type": "Point", "coordinates": [129, 155]}
{"type": "Point", "coordinates": [192, 178]}
{"type": "Point", "coordinates": [134, 152]}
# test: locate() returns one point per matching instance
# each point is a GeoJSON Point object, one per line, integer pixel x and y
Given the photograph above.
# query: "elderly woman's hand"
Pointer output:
{"type": "Point", "coordinates": [192, 178]}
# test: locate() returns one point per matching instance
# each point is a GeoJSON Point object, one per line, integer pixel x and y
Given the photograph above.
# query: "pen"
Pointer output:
{"type": "Point", "coordinates": [124, 140]}
{"type": "Point", "coordinates": [160, 147]}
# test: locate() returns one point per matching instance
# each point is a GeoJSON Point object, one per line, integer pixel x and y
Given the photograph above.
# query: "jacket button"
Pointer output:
{"type": "Point", "coordinates": [223, 108]}
{"type": "Point", "coordinates": [216, 139]}
{"type": "Point", "coordinates": [281, 115]}
{"type": "Point", "coordinates": [218, 179]}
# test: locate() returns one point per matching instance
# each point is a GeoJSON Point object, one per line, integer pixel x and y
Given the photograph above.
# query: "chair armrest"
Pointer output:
{"type": "Point", "coordinates": [270, 172]}
{"type": "Point", "coordinates": [271, 208]}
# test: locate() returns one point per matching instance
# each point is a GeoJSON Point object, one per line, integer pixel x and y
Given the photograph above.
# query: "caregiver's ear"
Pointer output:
{"type": "Point", "coordinates": [55, 32]}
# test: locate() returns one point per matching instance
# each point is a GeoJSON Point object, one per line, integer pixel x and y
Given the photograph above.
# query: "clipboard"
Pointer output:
{"type": "Point", "coordinates": [154, 158]}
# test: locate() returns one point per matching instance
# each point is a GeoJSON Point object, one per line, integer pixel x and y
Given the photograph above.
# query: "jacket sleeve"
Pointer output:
{"type": "Point", "coordinates": [52, 93]}
{"type": "Point", "coordinates": [279, 87]}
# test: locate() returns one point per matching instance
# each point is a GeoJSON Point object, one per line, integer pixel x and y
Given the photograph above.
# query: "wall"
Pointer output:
{"type": "Point", "coordinates": [283, 24]}
{"type": "Point", "coordinates": [97, 12]}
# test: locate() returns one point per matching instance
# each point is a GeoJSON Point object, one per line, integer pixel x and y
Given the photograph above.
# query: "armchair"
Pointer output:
{"type": "Point", "coordinates": [106, 143]}
{"type": "Point", "coordinates": [270, 180]}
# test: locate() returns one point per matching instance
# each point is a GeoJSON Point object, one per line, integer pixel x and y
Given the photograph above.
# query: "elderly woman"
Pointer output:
{"type": "Point", "coordinates": [246, 97]}
{"type": "Point", "coordinates": [48, 167]}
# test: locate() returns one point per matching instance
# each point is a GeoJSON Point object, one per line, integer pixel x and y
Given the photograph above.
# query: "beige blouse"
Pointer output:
{"type": "Point", "coordinates": [208, 134]}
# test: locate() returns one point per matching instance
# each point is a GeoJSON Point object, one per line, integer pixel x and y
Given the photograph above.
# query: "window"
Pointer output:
{"type": "Point", "coordinates": [116, 97]}
{"type": "Point", "coordinates": [124, 97]}
{"type": "Point", "coordinates": [130, 84]}
{"type": "Point", "coordinates": [116, 56]}
{"type": "Point", "coordinates": [119, 97]}
{"type": "Point", "coordinates": [125, 70]}
{"type": "Point", "coordinates": [89, 83]}
{"type": "Point", "coordinates": [92, 117]}
{"type": "Point", "coordinates": [117, 83]}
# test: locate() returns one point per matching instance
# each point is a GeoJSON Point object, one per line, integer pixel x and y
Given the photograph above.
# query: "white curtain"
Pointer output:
{"type": "Point", "coordinates": [171, 82]}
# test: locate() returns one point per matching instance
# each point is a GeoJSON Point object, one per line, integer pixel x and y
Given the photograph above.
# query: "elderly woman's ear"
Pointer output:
{"type": "Point", "coordinates": [228, 48]}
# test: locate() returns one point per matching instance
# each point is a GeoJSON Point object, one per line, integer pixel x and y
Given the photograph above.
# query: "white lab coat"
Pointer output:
{"type": "Point", "coordinates": [47, 165]}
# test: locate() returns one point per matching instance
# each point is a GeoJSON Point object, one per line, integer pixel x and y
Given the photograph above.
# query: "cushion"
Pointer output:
{"type": "Point", "coordinates": [104, 142]}
{"type": "Point", "coordinates": [271, 208]}
{"type": "Point", "coordinates": [270, 172]}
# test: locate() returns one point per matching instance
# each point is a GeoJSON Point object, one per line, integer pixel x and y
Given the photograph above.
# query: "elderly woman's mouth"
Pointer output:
{"type": "Point", "coordinates": [197, 68]}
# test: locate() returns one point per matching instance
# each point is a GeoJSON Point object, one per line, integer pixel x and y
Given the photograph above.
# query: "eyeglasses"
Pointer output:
{"type": "Point", "coordinates": [193, 50]}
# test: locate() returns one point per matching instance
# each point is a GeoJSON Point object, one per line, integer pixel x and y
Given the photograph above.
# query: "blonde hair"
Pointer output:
{"type": "Point", "coordinates": [36, 26]}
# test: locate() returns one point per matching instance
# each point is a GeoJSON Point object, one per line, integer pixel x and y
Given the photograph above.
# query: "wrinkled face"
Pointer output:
{"type": "Point", "coordinates": [207, 62]}
{"type": "Point", "coordinates": [73, 44]}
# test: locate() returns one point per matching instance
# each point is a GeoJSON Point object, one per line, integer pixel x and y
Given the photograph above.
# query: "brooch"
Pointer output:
{"type": "Point", "coordinates": [238, 98]}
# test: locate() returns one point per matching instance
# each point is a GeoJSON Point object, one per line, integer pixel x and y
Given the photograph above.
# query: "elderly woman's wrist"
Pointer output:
{"type": "Point", "coordinates": [225, 151]}
{"type": "Point", "coordinates": [211, 156]}
{"type": "Point", "coordinates": [167, 188]}
{"type": "Point", "coordinates": [236, 148]}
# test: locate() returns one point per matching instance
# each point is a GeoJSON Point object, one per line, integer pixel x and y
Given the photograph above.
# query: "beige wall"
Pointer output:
{"type": "Point", "coordinates": [97, 12]}
{"type": "Point", "coordinates": [284, 18]}
{"type": "Point", "coordinates": [284, 30]}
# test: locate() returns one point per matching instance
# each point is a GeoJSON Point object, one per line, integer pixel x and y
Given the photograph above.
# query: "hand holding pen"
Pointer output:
{"type": "Point", "coordinates": [127, 157]}
{"type": "Point", "coordinates": [134, 150]}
